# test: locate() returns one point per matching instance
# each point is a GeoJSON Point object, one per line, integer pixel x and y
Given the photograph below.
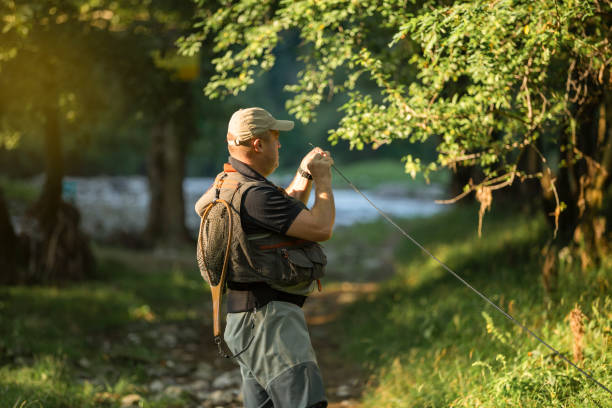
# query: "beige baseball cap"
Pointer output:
{"type": "Point", "coordinates": [246, 124]}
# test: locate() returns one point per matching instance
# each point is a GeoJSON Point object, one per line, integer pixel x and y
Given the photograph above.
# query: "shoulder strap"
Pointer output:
{"type": "Point", "coordinates": [219, 185]}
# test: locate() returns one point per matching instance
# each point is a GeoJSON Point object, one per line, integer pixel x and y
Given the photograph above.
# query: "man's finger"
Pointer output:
{"type": "Point", "coordinates": [315, 151]}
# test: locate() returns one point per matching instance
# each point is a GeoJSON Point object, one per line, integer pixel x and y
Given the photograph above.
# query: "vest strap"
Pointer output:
{"type": "Point", "coordinates": [243, 297]}
{"type": "Point", "coordinates": [284, 244]}
{"type": "Point", "coordinates": [219, 184]}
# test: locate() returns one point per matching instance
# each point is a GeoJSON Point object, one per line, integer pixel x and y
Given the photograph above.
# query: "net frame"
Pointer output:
{"type": "Point", "coordinates": [218, 289]}
{"type": "Point", "coordinates": [212, 236]}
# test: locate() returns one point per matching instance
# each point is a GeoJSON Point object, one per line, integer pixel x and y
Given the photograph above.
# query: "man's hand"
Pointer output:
{"type": "Point", "coordinates": [317, 223]}
{"type": "Point", "coordinates": [318, 163]}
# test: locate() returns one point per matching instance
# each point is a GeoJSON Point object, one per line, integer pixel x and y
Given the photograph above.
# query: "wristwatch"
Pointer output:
{"type": "Point", "coordinates": [304, 173]}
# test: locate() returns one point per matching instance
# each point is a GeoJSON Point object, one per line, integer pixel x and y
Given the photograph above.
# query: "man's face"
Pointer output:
{"type": "Point", "coordinates": [270, 146]}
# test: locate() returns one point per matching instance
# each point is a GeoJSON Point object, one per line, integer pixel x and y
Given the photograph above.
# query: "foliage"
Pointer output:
{"type": "Point", "coordinates": [106, 66]}
{"type": "Point", "coordinates": [429, 341]}
{"type": "Point", "coordinates": [490, 81]}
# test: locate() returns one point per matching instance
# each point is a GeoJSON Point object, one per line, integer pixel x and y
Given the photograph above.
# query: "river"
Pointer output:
{"type": "Point", "coordinates": [112, 205]}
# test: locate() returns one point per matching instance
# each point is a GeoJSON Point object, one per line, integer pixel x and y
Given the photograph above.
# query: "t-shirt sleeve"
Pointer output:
{"type": "Point", "coordinates": [268, 209]}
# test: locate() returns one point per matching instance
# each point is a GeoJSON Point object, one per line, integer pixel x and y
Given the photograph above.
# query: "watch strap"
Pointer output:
{"type": "Point", "coordinates": [304, 173]}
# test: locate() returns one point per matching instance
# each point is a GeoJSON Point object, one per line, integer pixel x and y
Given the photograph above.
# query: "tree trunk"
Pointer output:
{"type": "Point", "coordinates": [57, 249]}
{"type": "Point", "coordinates": [581, 184]}
{"type": "Point", "coordinates": [156, 169]}
{"type": "Point", "coordinates": [166, 222]}
{"type": "Point", "coordinates": [8, 245]}
{"type": "Point", "coordinates": [530, 190]}
{"type": "Point", "coordinates": [590, 233]}
{"type": "Point", "coordinates": [47, 205]}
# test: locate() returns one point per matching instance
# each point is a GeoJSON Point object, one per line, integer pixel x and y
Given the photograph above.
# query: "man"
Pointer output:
{"type": "Point", "coordinates": [275, 261]}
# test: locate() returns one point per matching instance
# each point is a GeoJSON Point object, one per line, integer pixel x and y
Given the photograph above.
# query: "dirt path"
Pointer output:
{"type": "Point", "coordinates": [344, 381]}
{"type": "Point", "coordinates": [194, 371]}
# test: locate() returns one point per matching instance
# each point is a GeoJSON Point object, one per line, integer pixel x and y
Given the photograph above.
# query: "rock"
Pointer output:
{"type": "Point", "coordinates": [343, 391]}
{"type": "Point", "coordinates": [83, 362]}
{"type": "Point", "coordinates": [189, 334]}
{"type": "Point", "coordinates": [173, 391]}
{"type": "Point", "coordinates": [130, 400]}
{"type": "Point", "coordinates": [228, 379]}
{"type": "Point", "coordinates": [221, 397]}
{"type": "Point", "coordinates": [198, 385]}
{"type": "Point", "coordinates": [167, 340]}
{"type": "Point", "coordinates": [201, 395]}
{"type": "Point", "coordinates": [182, 369]}
{"type": "Point", "coordinates": [156, 371]}
{"type": "Point", "coordinates": [134, 338]}
{"type": "Point", "coordinates": [204, 371]}
{"type": "Point", "coordinates": [156, 386]}
{"type": "Point", "coordinates": [372, 263]}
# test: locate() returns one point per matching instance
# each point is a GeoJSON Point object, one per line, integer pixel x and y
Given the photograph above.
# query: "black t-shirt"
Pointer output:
{"type": "Point", "coordinates": [265, 208]}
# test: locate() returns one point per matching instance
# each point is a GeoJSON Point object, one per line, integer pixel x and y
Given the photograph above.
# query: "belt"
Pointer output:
{"type": "Point", "coordinates": [242, 297]}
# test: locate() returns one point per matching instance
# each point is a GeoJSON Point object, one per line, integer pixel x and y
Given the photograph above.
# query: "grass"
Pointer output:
{"type": "Point", "coordinates": [71, 346]}
{"type": "Point", "coordinates": [430, 342]}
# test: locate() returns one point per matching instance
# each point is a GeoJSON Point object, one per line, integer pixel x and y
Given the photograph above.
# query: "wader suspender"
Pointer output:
{"type": "Point", "coordinates": [217, 290]}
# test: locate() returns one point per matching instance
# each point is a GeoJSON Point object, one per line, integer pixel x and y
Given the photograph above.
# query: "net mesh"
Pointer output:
{"type": "Point", "coordinates": [212, 242]}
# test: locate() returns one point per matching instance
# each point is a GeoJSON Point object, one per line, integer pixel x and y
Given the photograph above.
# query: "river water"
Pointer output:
{"type": "Point", "coordinates": [112, 205]}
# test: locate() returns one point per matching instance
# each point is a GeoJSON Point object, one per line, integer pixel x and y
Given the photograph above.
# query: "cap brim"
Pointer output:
{"type": "Point", "coordinates": [283, 125]}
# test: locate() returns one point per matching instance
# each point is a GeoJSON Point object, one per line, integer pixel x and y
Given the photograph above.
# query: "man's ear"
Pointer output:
{"type": "Point", "coordinates": [257, 144]}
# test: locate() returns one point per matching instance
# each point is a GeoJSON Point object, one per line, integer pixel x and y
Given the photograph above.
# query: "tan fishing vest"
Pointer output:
{"type": "Point", "coordinates": [270, 257]}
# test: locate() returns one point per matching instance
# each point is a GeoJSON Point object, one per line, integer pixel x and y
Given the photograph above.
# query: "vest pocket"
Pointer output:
{"type": "Point", "coordinates": [302, 264]}
{"type": "Point", "coordinates": [286, 261]}
{"type": "Point", "coordinates": [297, 266]}
{"type": "Point", "coordinates": [319, 260]}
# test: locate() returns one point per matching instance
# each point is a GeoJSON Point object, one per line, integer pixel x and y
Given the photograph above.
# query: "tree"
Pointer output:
{"type": "Point", "coordinates": [517, 89]}
{"type": "Point", "coordinates": [59, 62]}
{"type": "Point", "coordinates": [170, 107]}
{"type": "Point", "coordinates": [45, 76]}
{"type": "Point", "coordinates": [158, 85]}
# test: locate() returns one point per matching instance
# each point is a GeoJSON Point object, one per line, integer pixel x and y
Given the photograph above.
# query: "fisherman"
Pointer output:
{"type": "Point", "coordinates": [275, 261]}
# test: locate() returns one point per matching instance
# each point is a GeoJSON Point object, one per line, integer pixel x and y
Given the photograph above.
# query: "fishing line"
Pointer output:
{"type": "Point", "coordinates": [484, 297]}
